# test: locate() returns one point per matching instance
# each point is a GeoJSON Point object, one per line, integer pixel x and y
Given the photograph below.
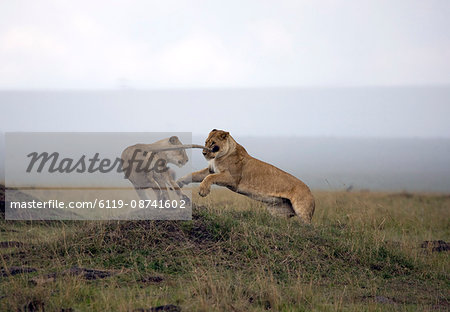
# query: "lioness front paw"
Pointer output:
{"type": "Point", "coordinates": [204, 190]}
{"type": "Point", "coordinates": [181, 182]}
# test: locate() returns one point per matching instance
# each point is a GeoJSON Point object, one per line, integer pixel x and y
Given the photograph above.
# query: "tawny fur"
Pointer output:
{"type": "Point", "coordinates": [232, 167]}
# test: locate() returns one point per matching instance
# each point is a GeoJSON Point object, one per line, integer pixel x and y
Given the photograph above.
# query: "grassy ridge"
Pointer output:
{"type": "Point", "coordinates": [361, 253]}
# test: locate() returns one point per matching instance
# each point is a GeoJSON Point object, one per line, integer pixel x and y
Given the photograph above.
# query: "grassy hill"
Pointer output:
{"type": "Point", "coordinates": [362, 253]}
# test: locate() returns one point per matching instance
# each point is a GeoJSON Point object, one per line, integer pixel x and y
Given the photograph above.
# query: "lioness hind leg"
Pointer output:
{"type": "Point", "coordinates": [283, 209]}
{"type": "Point", "coordinates": [304, 207]}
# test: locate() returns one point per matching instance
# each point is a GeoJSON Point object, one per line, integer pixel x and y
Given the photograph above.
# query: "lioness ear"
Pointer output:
{"type": "Point", "coordinates": [213, 130]}
{"type": "Point", "coordinates": [174, 140]}
{"type": "Point", "coordinates": [224, 135]}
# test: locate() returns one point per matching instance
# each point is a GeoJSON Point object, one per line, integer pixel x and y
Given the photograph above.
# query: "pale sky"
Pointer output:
{"type": "Point", "coordinates": [202, 44]}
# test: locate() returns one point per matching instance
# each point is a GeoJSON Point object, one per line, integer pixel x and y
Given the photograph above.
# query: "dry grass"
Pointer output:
{"type": "Point", "coordinates": [361, 253]}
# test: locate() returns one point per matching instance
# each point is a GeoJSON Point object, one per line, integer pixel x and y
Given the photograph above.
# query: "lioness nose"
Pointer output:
{"type": "Point", "coordinates": [204, 152]}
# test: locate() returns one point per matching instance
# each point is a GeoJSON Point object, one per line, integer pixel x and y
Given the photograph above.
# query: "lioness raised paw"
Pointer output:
{"type": "Point", "coordinates": [204, 190]}
{"type": "Point", "coordinates": [180, 183]}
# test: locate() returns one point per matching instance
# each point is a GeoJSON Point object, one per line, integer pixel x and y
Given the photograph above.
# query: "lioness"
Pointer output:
{"type": "Point", "coordinates": [231, 166]}
{"type": "Point", "coordinates": [170, 150]}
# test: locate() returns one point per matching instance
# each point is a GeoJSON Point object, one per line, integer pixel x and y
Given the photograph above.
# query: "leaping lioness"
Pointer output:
{"type": "Point", "coordinates": [231, 166]}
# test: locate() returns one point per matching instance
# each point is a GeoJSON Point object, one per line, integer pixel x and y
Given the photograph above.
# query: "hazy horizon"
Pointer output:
{"type": "Point", "coordinates": [395, 138]}
{"type": "Point", "coordinates": [331, 112]}
{"type": "Point", "coordinates": [375, 164]}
